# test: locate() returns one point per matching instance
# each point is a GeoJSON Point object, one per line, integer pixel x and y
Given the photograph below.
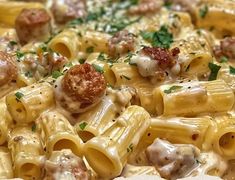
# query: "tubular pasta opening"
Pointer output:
{"type": "Point", "coordinates": [227, 143]}
{"type": "Point", "coordinates": [66, 144]}
{"type": "Point", "coordinates": [62, 49]}
{"type": "Point", "coordinates": [29, 170]}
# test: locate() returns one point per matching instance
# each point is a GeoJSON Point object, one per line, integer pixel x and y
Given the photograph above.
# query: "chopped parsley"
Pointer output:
{"type": "Point", "coordinates": [19, 95]}
{"type": "Point", "coordinates": [82, 125]}
{"type": "Point", "coordinates": [203, 11]}
{"type": "Point", "coordinates": [101, 57]}
{"type": "Point", "coordinates": [13, 43]}
{"type": "Point", "coordinates": [19, 55]}
{"type": "Point", "coordinates": [90, 49]}
{"type": "Point", "coordinates": [98, 68]}
{"type": "Point", "coordinates": [28, 74]}
{"type": "Point", "coordinates": [56, 74]}
{"type": "Point", "coordinates": [223, 59]}
{"type": "Point", "coordinates": [214, 71]}
{"type": "Point", "coordinates": [81, 61]}
{"type": "Point", "coordinates": [162, 38]}
{"type": "Point", "coordinates": [70, 64]}
{"type": "Point", "coordinates": [172, 89]}
{"type": "Point", "coordinates": [168, 4]}
{"type": "Point", "coordinates": [130, 148]}
{"type": "Point", "coordinates": [231, 70]}
{"type": "Point", "coordinates": [34, 127]}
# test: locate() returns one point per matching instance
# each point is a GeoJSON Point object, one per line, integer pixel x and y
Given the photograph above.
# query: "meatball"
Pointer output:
{"type": "Point", "coordinates": [33, 24]}
{"type": "Point", "coordinates": [8, 68]}
{"type": "Point", "coordinates": [66, 10]}
{"type": "Point", "coordinates": [172, 161]}
{"type": "Point", "coordinates": [82, 87]}
{"type": "Point", "coordinates": [122, 42]}
{"type": "Point", "coordinates": [65, 165]}
{"type": "Point", "coordinates": [226, 48]}
{"type": "Point", "coordinates": [146, 6]}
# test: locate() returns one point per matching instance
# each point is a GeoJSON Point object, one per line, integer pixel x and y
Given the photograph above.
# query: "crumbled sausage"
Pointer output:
{"type": "Point", "coordinates": [84, 86]}
{"type": "Point", "coordinates": [172, 161]}
{"type": "Point", "coordinates": [66, 10]}
{"type": "Point", "coordinates": [226, 48]}
{"type": "Point", "coordinates": [33, 24]}
{"type": "Point", "coordinates": [146, 6]}
{"type": "Point", "coordinates": [65, 165]}
{"type": "Point", "coordinates": [164, 57]}
{"type": "Point", "coordinates": [122, 42]}
{"type": "Point", "coordinates": [8, 68]}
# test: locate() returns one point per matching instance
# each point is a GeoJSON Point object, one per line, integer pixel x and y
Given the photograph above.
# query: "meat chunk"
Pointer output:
{"type": "Point", "coordinates": [121, 43]}
{"type": "Point", "coordinates": [146, 6]}
{"type": "Point", "coordinates": [8, 68]}
{"type": "Point", "coordinates": [65, 165]}
{"type": "Point", "coordinates": [66, 10]}
{"type": "Point", "coordinates": [172, 161]}
{"type": "Point", "coordinates": [82, 87]}
{"type": "Point", "coordinates": [33, 24]}
{"type": "Point", "coordinates": [164, 57]}
{"type": "Point", "coordinates": [226, 48]}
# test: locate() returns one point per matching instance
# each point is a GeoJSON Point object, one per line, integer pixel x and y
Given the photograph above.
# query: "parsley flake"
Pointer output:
{"type": "Point", "coordinates": [82, 125]}
{"type": "Point", "coordinates": [19, 95]}
{"type": "Point", "coordinates": [231, 70]}
{"type": "Point", "coordinates": [81, 61]}
{"type": "Point", "coordinates": [34, 127]}
{"type": "Point", "coordinates": [56, 74]}
{"type": "Point", "coordinates": [214, 71]}
{"type": "Point", "coordinates": [127, 78]}
{"type": "Point", "coordinates": [90, 49]}
{"type": "Point", "coordinates": [13, 43]}
{"type": "Point", "coordinates": [223, 59]}
{"type": "Point", "coordinates": [172, 89]}
{"type": "Point", "coordinates": [101, 57]}
{"type": "Point", "coordinates": [162, 38]}
{"type": "Point", "coordinates": [203, 11]}
{"type": "Point", "coordinates": [130, 148]}
{"type": "Point", "coordinates": [98, 68]}
{"type": "Point", "coordinates": [28, 74]}
{"type": "Point", "coordinates": [19, 55]}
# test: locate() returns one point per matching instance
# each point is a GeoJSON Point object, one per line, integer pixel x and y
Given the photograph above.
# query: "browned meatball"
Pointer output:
{"type": "Point", "coordinates": [81, 88]}
{"type": "Point", "coordinates": [8, 69]}
{"type": "Point", "coordinates": [226, 48]}
{"type": "Point", "coordinates": [122, 42]}
{"type": "Point", "coordinates": [33, 24]}
{"type": "Point", "coordinates": [146, 6]}
{"type": "Point", "coordinates": [66, 10]}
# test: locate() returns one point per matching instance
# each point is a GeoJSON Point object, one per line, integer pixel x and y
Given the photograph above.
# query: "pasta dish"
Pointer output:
{"type": "Point", "coordinates": [117, 89]}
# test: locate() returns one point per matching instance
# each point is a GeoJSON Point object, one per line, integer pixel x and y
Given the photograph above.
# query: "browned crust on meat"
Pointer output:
{"type": "Point", "coordinates": [84, 84]}
{"type": "Point", "coordinates": [164, 57]}
{"type": "Point", "coordinates": [8, 68]}
{"type": "Point", "coordinates": [121, 42]}
{"type": "Point", "coordinates": [226, 48]}
{"type": "Point", "coordinates": [33, 17]}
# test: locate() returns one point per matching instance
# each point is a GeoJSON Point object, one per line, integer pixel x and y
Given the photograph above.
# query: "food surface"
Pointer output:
{"type": "Point", "coordinates": [117, 89]}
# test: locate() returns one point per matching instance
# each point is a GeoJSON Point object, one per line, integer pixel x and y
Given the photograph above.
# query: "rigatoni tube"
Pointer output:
{"type": "Point", "coordinates": [5, 121]}
{"type": "Point", "coordinates": [57, 133]}
{"type": "Point", "coordinates": [6, 171]}
{"type": "Point", "coordinates": [27, 153]}
{"type": "Point", "coordinates": [97, 120]}
{"type": "Point", "coordinates": [192, 98]}
{"type": "Point", "coordinates": [108, 153]}
{"type": "Point", "coordinates": [27, 103]}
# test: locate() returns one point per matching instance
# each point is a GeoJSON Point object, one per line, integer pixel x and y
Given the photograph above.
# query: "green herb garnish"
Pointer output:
{"type": "Point", "coordinates": [19, 95]}
{"type": "Point", "coordinates": [82, 125]}
{"type": "Point", "coordinates": [214, 71]}
{"type": "Point", "coordinates": [130, 148]}
{"type": "Point", "coordinates": [28, 74]}
{"type": "Point", "coordinates": [98, 68]}
{"type": "Point", "coordinates": [172, 89]}
{"type": "Point", "coordinates": [203, 11]}
{"type": "Point", "coordinates": [127, 78]}
{"type": "Point", "coordinates": [13, 43]}
{"type": "Point", "coordinates": [19, 55]}
{"type": "Point", "coordinates": [90, 49]}
{"type": "Point", "coordinates": [34, 127]}
{"type": "Point", "coordinates": [56, 74]}
{"type": "Point", "coordinates": [223, 59]}
{"type": "Point", "coordinates": [162, 38]}
{"type": "Point", "coordinates": [231, 70]}
{"type": "Point", "coordinates": [101, 57]}
{"type": "Point", "coordinates": [81, 61]}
